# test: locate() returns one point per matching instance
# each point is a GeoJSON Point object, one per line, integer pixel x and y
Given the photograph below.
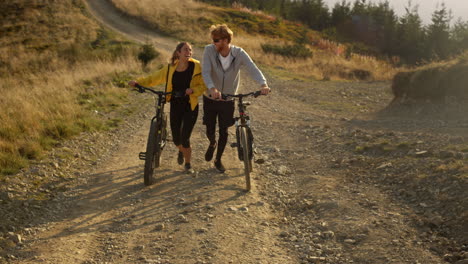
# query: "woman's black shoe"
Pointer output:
{"type": "Point", "coordinates": [209, 152]}
{"type": "Point", "coordinates": [180, 158]}
{"type": "Point", "coordinates": [219, 166]}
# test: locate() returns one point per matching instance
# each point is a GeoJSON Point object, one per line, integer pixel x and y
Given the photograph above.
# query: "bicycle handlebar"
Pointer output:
{"type": "Point", "coordinates": [142, 89]}
{"type": "Point", "coordinates": [254, 94]}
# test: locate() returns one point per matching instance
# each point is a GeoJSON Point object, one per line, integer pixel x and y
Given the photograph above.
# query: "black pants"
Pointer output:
{"type": "Point", "coordinates": [183, 120]}
{"type": "Point", "coordinates": [223, 111]}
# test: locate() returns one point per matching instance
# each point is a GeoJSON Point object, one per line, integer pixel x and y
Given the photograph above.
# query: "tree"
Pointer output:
{"type": "Point", "coordinates": [385, 21]}
{"type": "Point", "coordinates": [438, 33]}
{"type": "Point", "coordinates": [459, 36]}
{"type": "Point", "coordinates": [410, 36]}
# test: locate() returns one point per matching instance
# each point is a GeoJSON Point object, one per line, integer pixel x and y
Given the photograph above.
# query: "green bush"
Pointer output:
{"type": "Point", "coordinates": [295, 51]}
{"type": "Point", "coordinates": [147, 54]}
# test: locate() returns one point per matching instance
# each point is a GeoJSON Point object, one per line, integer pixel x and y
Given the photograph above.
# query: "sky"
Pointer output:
{"type": "Point", "coordinates": [426, 7]}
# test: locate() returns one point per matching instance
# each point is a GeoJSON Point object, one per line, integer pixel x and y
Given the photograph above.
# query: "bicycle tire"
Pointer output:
{"type": "Point", "coordinates": [152, 154]}
{"type": "Point", "coordinates": [246, 157]}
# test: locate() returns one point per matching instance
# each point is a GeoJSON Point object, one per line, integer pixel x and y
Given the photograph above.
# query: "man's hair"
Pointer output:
{"type": "Point", "coordinates": [221, 31]}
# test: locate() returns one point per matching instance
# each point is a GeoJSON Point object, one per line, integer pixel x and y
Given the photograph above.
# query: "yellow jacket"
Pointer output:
{"type": "Point", "coordinates": [159, 77]}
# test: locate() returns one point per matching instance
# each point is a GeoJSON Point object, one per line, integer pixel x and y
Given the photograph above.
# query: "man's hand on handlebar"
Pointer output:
{"type": "Point", "coordinates": [215, 93]}
{"type": "Point", "coordinates": [265, 90]}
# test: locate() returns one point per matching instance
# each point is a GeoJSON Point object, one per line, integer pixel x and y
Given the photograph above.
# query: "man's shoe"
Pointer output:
{"type": "Point", "coordinates": [180, 158]}
{"type": "Point", "coordinates": [210, 151]}
{"type": "Point", "coordinates": [188, 168]}
{"type": "Point", "coordinates": [219, 166]}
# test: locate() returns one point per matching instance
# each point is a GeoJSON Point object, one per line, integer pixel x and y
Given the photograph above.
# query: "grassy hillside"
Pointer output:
{"type": "Point", "coordinates": [261, 35]}
{"type": "Point", "coordinates": [435, 83]}
{"type": "Point", "coordinates": [59, 75]}
{"type": "Point", "coordinates": [60, 71]}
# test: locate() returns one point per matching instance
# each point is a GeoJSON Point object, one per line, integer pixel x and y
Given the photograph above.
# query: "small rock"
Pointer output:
{"type": "Point", "coordinates": [423, 153]}
{"type": "Point", "coordinates": [283, 170]}
{"type": "Point", "coordinates": [260, 161]}
{"type": "Point", "coordinates": [15, 237]}
{"type": "Point", "coordinates": [385, 165]}
{"type": "Point", "coordinates": [350, 241]}
{"type": "Point", "coordinates": [244, 209]}
{"type": "Point", "coordinates": [260, 203]}
{"type": "Point", "coordinates": [202, 230]}
{"type": "Point", "coordinates": [423, 205]}
{"type": "Point", "coordinates": [182, 218]}
{"type": "Point", "coordinates": [159, 227]}
{"type": "Point", "coordinates": [327, 234]}
{"type": "Point", "coordinates": [316, 259]}
{"type": "Point", "coordinates": [233, 209]}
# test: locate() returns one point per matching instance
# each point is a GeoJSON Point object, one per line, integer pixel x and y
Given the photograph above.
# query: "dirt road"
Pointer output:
{"type": "Point", "coordinates": [338, 185]}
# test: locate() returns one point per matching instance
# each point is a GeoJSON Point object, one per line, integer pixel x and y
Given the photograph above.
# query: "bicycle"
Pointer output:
{"type": "Point", "coordinates": [244, 136]}
{"type": "Point", "coordinates": [157, 137]}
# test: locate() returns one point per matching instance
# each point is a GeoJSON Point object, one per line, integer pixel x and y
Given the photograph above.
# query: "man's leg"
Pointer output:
{"type": "Point", "coordinates": [209, 120]}
{"type": "Point", "coordinates": [226, 120]}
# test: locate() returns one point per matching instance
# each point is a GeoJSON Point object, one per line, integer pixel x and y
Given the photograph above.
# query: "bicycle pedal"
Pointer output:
{"type": "Point", "coordinates": [142, 155]}
{"type": "Point", "coordinates": [233, 145]}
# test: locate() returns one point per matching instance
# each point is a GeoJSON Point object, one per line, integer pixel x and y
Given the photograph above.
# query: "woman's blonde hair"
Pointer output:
{"type": "Point", "coordinates": [178, 48]}
{"type": "Point", "coordinates": [221, 31]}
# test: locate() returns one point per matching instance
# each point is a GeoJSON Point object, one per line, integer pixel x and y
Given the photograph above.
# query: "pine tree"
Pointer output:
{"type": "Point", "coordinates": [459, 36]}
{"type": "Point", "coordinates": [410, 36]}
{"type": "Point", "coordinates": [438, 33]}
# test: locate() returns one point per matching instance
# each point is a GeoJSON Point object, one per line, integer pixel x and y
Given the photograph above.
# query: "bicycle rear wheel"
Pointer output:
{"type": "Point", "coordinates": [244, 142]}
{"type": "Point", "coordinates": [153, 152]}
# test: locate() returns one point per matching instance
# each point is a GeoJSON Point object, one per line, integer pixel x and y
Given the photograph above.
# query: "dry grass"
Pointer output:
{"type": "Point", "coordinates": [191, 20]}
{"type": "Point", "coordinates": [33, 33]}
{"type": "Point", "coordinates": [56, 72]}
{"type": "Point", "coordinates": [53, 58]}
{"type": "Point", "coordinates": [323, 64]}
{"type": "Point", "coordinates": [436, 82]}
{"type": "Point", "coordinates": [40, 109]}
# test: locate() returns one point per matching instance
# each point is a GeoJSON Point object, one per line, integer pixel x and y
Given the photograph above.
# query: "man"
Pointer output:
{"type": "Point", "coordinates": [221, 72]}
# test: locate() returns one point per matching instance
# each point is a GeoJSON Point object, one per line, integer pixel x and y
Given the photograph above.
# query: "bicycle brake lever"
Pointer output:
{"type": "Point", "coordinates": [140, 88]}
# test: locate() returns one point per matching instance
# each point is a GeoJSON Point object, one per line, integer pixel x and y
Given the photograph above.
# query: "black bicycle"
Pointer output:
{"type": "Point", "coordinates": [244, 136]}
{"type": "Point", "coordinates": [157, 137]}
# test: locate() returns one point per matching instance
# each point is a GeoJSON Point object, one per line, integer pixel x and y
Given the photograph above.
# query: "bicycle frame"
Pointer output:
{"type": "Point", "coordinates": [244, 137]}
{"type": "Point", "coordinates": [156, 137]}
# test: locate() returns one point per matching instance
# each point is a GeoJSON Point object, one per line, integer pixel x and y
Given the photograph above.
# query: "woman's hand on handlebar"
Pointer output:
{"type": "Point", "coordinates": [132, 83]}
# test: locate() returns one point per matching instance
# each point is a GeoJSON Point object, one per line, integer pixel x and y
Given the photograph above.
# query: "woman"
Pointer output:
{"type": "Point", "coordinates": [183, 77]}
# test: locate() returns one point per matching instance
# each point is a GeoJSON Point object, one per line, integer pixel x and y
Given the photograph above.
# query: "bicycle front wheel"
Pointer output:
{"type": "Point", "coordinates": [244, 141]}
{"type": "Point", "coordinates": [152, 152]}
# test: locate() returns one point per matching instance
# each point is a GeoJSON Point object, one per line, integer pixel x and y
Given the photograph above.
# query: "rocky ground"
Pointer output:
{"type": "Point", "coordinates": [340, 178]}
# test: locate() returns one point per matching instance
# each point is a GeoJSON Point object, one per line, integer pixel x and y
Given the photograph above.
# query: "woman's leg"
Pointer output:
{"type": "Point", "coordinates": [189, 120]}
{"type": "Point", "coordinates": [176, 118]}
